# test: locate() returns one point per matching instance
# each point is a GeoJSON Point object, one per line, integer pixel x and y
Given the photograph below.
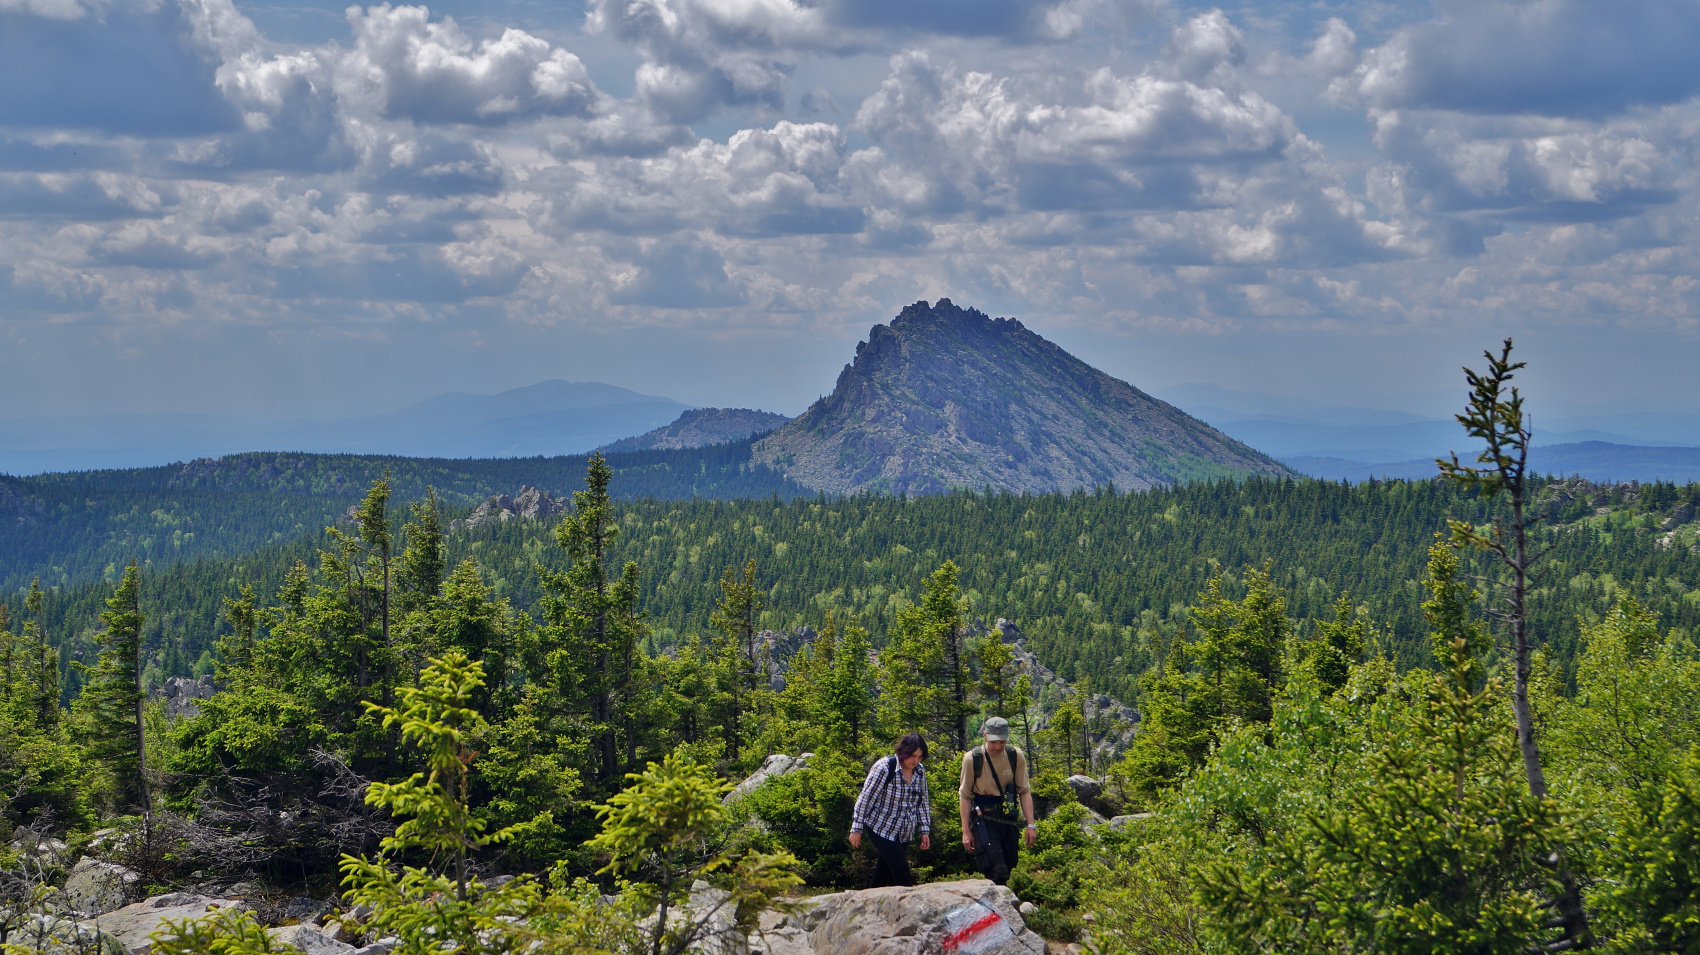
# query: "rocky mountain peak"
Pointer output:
{"type": "Point", "coordinates": [948, 397]}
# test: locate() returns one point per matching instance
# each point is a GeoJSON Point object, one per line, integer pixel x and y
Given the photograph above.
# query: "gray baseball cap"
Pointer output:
{"type": "Point", "coordinates": [995, 728]}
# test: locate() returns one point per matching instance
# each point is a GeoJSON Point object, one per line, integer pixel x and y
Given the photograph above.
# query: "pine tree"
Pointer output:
{"type": "Point", "coordinates": [109, 710]}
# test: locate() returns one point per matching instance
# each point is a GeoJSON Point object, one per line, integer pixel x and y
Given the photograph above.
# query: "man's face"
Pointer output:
{"type": "Point", "coordinates": [995, 746]}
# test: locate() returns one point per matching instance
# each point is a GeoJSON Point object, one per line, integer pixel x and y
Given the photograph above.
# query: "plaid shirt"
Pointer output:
{"type": "Point", "coordinates": [891, 807]}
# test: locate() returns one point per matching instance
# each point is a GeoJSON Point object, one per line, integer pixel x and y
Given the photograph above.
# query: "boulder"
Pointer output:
{"type": "Point", "coordinates": [1086, 789]}
{"type": "Point", "coordinates": [52, 935]}
{"type": "Point", "coordinates": [776, 765]}
{"type": "Point", "coordinates": [304, 908]}
{"type": "Point", "coordinates": [310, 939]}
{"type": "Point", "coordinates": [1090, 793]}
{"type": "Point", "coordinates": [96, 887]}
{"type": "Point", "coordinates": [131, 925]}
{"type": "Point", "coordinates": [971, 917]}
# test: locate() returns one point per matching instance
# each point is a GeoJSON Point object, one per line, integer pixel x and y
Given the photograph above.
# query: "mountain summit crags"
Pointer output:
{"type": "Point", "coordinates": [946, 397]}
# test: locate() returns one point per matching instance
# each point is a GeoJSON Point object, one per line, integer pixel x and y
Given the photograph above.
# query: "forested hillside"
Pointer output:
{"type": "Point", "coordinates": [68, 528]}
{"type": "Point", "coordinates": [1099, 581]}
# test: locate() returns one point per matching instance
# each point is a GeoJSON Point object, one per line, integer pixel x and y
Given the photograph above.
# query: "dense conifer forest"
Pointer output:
{"type": "Point", "coordinates": [1099, 580]}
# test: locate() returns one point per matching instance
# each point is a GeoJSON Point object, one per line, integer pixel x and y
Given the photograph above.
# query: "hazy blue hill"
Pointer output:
{"type": "Point", "coordinates": [701, 427]}
{"type": "Point", "coordinates": [1594, 460]}
{"type": "Point", "coordinates": [548, 418]}
{"type": "Point", "coordinates": [1357, 442]}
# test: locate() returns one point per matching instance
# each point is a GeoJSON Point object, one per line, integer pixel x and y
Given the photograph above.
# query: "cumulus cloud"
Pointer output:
{"type": "Point", "coordinates": [434, 73]}
{"type": "Point", "coordinates": [1551, 57]}
{"type": "Point", "coordinates": [967, 142]}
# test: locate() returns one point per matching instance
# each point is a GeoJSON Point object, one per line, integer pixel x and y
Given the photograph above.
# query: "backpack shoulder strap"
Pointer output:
{"type": "Point", "coordinates": [890, 770]}
{"type": "Point", "coordinates": [979, 763]}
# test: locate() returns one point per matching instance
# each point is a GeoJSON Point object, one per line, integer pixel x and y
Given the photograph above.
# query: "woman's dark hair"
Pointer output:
{"type": "Point", "coordinates": [909, 744]}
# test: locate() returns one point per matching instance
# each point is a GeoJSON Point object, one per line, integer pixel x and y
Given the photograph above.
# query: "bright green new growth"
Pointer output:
{"type": "Point", "coordinates": [437, 717]}
{"type": "Point", "coordinates": [667, 825]}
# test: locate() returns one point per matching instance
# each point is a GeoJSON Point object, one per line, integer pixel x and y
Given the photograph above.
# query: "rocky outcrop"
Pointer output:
{"type": "Point", "coordinates": [530, 504]}
{"type": "Point", "coordinates": [19, 508]}
{"type": "Point", "coordinates": [254, 469]}
{"type": "Point", "coordinates": [946, 397]}
{"type": "Point", "coordinates": [772, 767]}
{"type": "Point", "coordinates": [95, 887]}
{"type": "Point", "coordinates": [182, 695]}
{"type": "Point", "coordinates": [1113, 724]}
{"type": "Point", "coordinates": [971, 917]}
{"type": "Point", "coordinates": [701, 427]}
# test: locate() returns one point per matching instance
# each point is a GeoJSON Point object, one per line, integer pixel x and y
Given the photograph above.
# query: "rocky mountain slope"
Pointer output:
{"type": "Point", "coordinates": [701, 427]}
{"type": "Point", "coordinates": [945, 397]}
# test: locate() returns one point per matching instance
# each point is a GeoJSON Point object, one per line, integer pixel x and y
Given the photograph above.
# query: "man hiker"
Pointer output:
{"type": "Point", "coordinates": [995, 797]}
{"type": "Point", "coordinates": [892, 806]}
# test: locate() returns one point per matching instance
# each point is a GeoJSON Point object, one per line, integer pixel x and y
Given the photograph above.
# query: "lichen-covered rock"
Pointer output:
{"type": "Point", "coordinates": [132, 925]}
{"type": "Point", "coordinates": [95, 887]}
{"type": "Point", "coordinates": [971, 917]}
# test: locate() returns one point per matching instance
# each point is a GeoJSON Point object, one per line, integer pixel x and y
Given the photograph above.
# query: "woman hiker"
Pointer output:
{"type": "Point", "coordinates": [892, 805]}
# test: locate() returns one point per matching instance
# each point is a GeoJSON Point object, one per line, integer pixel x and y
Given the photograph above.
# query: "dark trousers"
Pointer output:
{"type": "Point", "coordinates": [893, 865]}
{"type": "Point", "coordinates": [997, 841]}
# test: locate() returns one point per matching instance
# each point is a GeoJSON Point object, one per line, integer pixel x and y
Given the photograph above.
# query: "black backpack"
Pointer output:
{"type": "Point", "coordinates": [979, 754]}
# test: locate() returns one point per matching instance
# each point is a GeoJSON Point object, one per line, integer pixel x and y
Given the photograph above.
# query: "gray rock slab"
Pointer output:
{"type": "Point", "coordinates": [970, 917]}
{"type": "Point", "coordinates": [132, 925]}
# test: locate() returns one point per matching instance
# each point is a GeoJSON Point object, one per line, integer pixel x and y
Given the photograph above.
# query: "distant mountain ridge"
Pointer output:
{"type": "Point", "coordinates": [701, 427]}
{"type": "Point", "coordinates": [548, 418]}
{"type": "Point", "coordinates": [1594, 460]}
{"type": "Point", "coordinates": [946, 397]}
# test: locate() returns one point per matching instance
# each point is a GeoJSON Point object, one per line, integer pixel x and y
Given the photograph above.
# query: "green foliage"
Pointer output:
{"type": "Point", "coordinates": [1224, 677]}
{"type": "Point", "coordinates": [665, 829]}
{"type": "Point", "coordinates": [1141, 899]}
{"type": "Point", "coordinates": [807, 812]}
{"type": "Point", "coordinates": [1427, 841]}
{"type": "Point", "coordinates": [1626, 751]}
{"type": "Point", "coordinates": [1054, 873]}
{"type": "Point", "coordinates": [108, 713]}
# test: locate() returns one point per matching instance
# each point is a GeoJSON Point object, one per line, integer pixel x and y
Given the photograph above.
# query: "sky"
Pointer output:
{"type": "Point", "coordinates": [292, 207]}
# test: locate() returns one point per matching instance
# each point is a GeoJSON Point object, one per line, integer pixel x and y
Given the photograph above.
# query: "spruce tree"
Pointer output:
{"type": "Point", "coordinates": [423, 561]}
{"type": "Point", "coordinates": [109, 710]}
{"type": "Point", "coordinates": [1495, 415]}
